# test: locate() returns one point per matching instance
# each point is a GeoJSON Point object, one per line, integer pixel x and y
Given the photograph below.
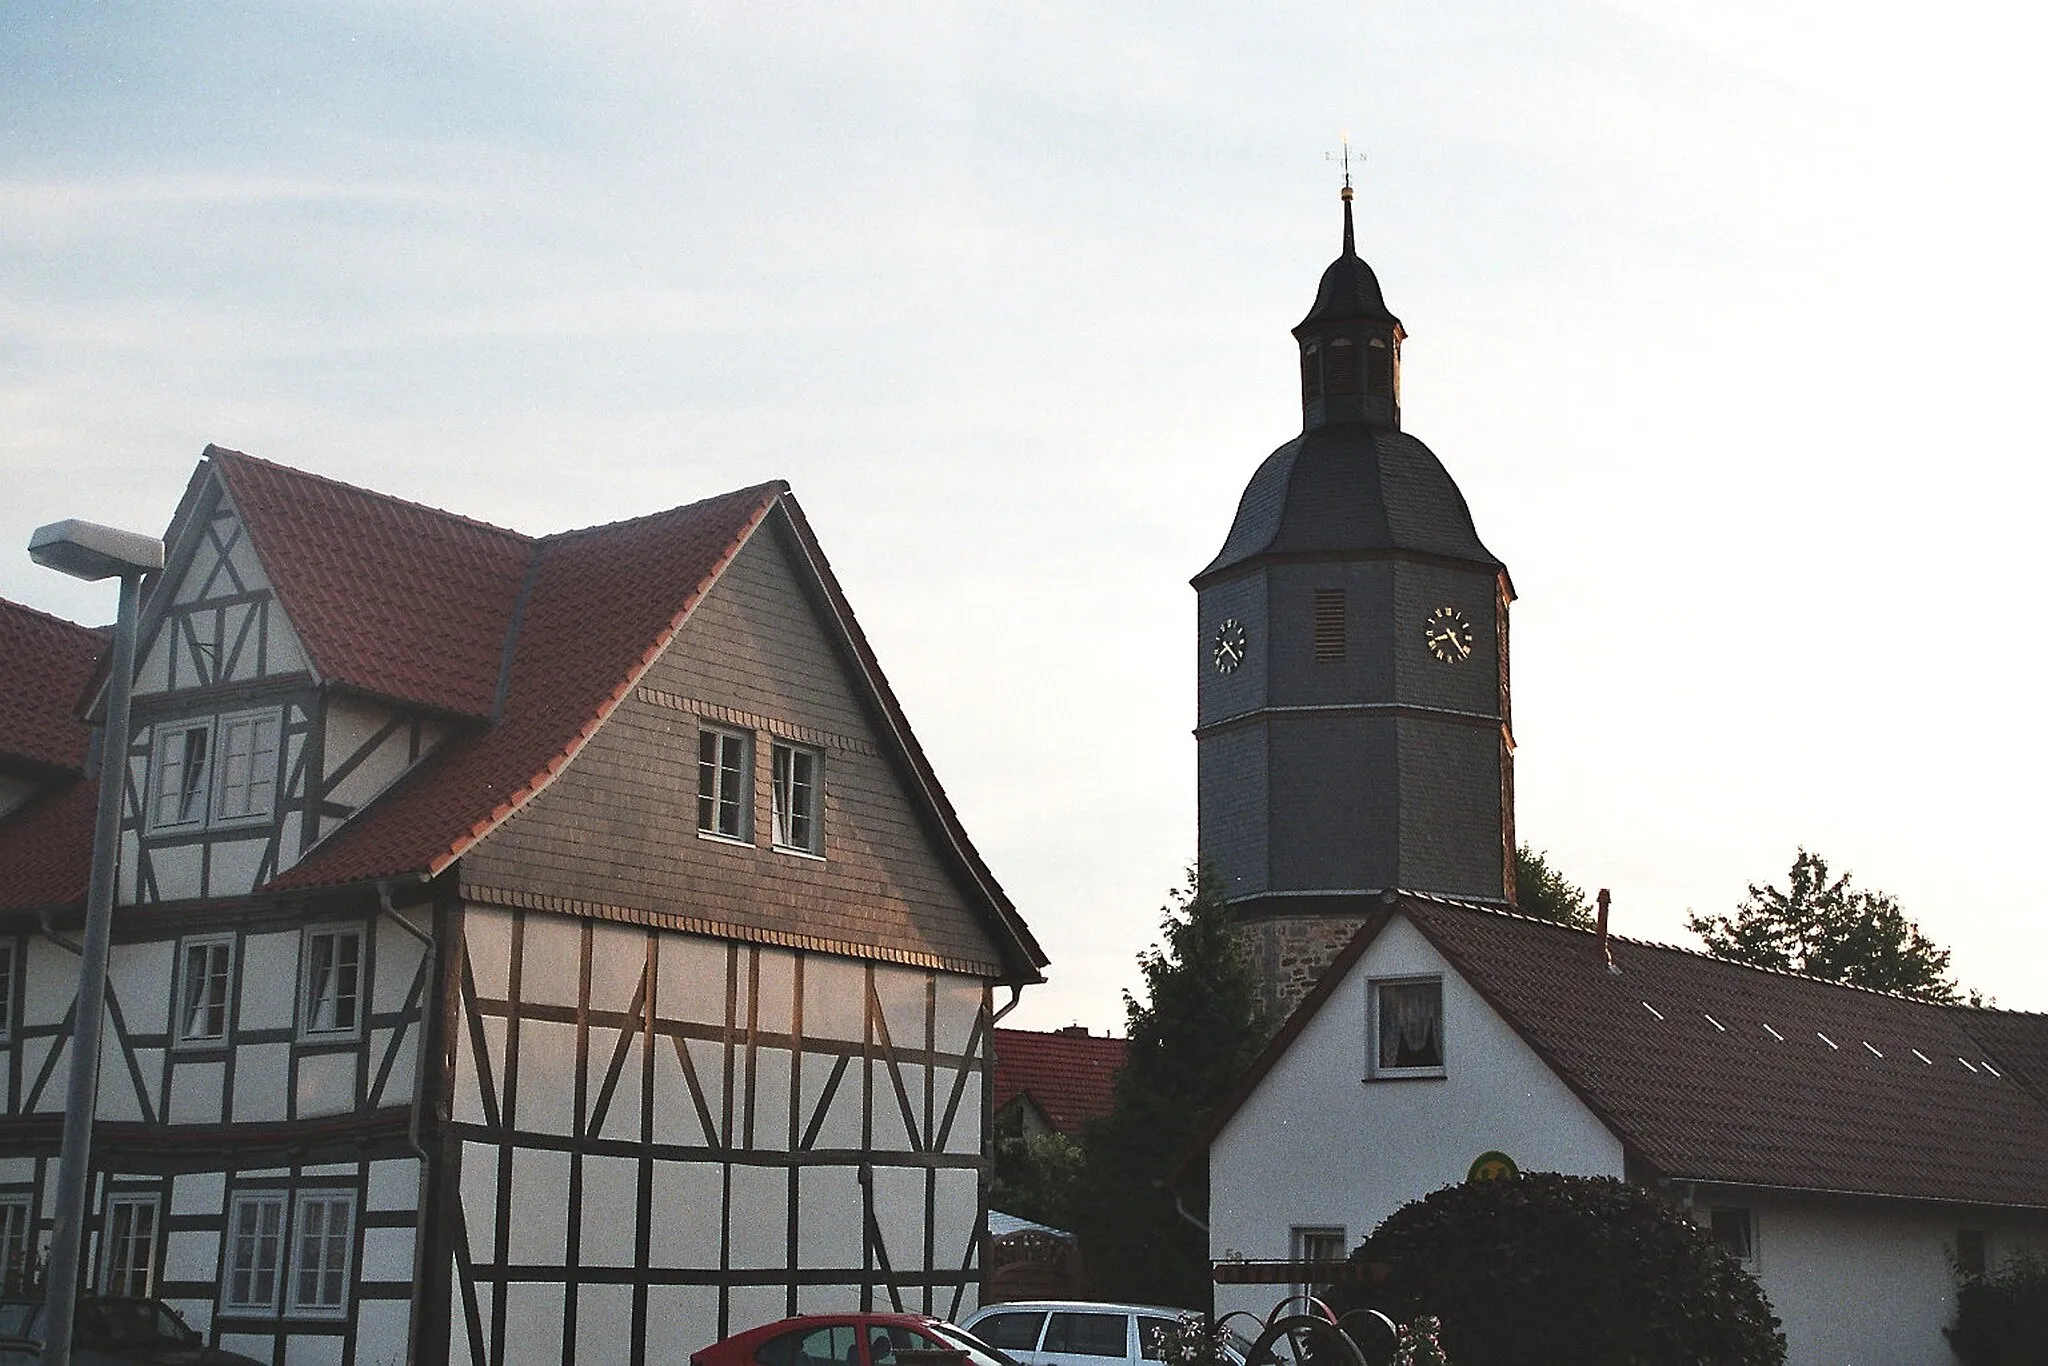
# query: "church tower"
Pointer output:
{"type": "Point", "coordinates": [1353, 729]}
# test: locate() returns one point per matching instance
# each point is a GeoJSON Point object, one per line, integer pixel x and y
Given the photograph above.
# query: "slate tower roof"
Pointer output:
{"type": "Point", "coordinates": [1352, 730]}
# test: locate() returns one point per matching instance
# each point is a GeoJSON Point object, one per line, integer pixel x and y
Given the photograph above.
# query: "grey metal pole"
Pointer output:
{"type": "Point", "coordinates": [74, 1166]}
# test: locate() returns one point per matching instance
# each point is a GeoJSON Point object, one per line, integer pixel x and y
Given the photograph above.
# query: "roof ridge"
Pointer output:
{"type": "Point", "coordinates": [1505, 914]}
{"type": "Point", "coordinates": [780, 486]}
{"type": "Point", "coordinates": [213, 452]}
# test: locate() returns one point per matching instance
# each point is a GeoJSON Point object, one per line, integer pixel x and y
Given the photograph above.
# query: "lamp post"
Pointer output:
{"type": "Point", "coordinates": [85, 550]}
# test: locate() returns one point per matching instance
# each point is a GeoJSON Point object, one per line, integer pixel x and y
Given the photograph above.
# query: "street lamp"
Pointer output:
{"type": "Point", "coordinates": [88, 551]}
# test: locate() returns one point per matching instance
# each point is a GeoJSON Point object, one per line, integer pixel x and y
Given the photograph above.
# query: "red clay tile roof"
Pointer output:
{"type": "Point", "coordinates": [388, 597]}
{"type": "Point", "coordinates": [1711, 1071]}
{"type": "Point", "coordinates": [423, 606]}
{"type": "Point", "coordinates": [45, 664]}
{"type": "Point", "coordinates": [603, 604]}
{"type": "Point", "coordinates": [1069, 1077]}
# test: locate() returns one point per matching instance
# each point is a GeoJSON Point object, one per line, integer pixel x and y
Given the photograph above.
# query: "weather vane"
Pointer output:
{"type": "Point", "coordinates": [1344, 158]}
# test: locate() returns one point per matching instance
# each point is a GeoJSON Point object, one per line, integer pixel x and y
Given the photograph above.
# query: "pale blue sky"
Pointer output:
{"type": "Point", "coordinates": [1723, 316]}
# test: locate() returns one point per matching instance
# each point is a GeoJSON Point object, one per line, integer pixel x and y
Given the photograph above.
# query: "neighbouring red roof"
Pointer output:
{"type": "Point", "coordinates": [1713, 1071]}
{"type": "Point", "coordinates": [45, 664]}
{"type": "Point", "coordinates": [1070, 1077]}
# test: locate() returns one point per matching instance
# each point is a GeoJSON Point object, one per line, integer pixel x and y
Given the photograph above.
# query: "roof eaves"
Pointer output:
{"type": "Point", "coordinates": [1282, 1040]}
{"type": "Point", "coordinates": [1023, 947]}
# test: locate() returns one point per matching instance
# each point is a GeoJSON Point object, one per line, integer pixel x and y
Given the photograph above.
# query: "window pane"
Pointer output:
{"type": "Point", "coordinates": [248, 767]}
{"type": "Point", "coordinates": [1411, 1024]}
{"type": "Point", "coordinates": [1011, 1332]}
{"type": "Point", "coordinates": [1096, 1335]}
{"type": "Point", "coordinates": [333, 981]}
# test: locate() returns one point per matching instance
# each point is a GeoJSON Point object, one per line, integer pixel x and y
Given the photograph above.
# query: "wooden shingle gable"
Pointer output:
{"type": "Point", "coordinates": [765, 657]}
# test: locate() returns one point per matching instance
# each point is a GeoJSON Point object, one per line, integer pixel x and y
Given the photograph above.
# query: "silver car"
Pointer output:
{"type": "Point", "coordinates": [1076, 1332]}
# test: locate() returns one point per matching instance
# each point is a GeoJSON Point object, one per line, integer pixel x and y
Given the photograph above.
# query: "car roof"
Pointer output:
{"type": "Point", "coordinates": [1086, 1306]}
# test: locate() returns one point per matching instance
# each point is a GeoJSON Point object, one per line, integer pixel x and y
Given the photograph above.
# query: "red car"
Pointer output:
{"type": "Point", "coordinates": [852, 1340]}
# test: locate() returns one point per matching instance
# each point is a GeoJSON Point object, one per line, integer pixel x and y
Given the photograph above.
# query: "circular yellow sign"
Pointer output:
{"type": "Point", "coordinates": [1493, 1166]}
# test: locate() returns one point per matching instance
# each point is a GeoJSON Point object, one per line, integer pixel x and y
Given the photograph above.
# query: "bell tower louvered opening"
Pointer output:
{"type": "Point", "coordinates": [1329, 625]}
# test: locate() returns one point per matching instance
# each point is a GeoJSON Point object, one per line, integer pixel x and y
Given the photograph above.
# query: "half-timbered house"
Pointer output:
{"type": "Point", "coordinates": [526, 949]}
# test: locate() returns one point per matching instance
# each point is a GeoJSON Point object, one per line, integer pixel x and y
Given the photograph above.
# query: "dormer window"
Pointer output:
{"type": "Point", "coordinates": [214, 771]}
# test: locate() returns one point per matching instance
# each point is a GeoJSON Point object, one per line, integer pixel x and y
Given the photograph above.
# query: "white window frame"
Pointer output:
{"type": "Point", "coordinates": [9, 954]}
{"type": "Point", "coordinates": [335, 1253]}
{"type": "Point", "coordinates": [1747, 1257]}
{"type": "Point", "coordinates": [118, 1237]}
{"type": "Point", "coordinates": [1375, 1027]}
{"type": "Point", "coordinates": [194, 799]}
{"type": "Point", "coordinates": [202, 803]}
{"type": "Point", "coordinates": [308, 1001]}
{"type": "Point", "coordinates": [219, 947]}
{"type": "Point", "coordinates": [725, 784]}
{"type": "Point", "coordinates": [799, 799]}
{"type": "Point", "coordinates": [256, 1241]}
{"type": "Point", "coordinates": [1302, 1243]}
{"type": "Point", "coordinates": [226, 757]}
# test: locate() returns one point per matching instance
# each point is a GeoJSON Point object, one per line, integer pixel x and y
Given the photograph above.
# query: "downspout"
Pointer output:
{"type": "Point", "coordinates": [1016, 995]}
{"type": "Point", "coordinates": [412, 1128]}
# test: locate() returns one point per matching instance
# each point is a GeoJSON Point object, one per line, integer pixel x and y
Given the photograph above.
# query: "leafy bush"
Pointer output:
{"type": "Point", "coordinates": [1545, 1268]}
{"type": "Point", "coordinates": [2002, 1319]}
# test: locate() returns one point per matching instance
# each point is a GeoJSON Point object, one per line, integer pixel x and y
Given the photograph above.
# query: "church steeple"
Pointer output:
{"type": "Point", "coordinates": [1352, 733]}
{"type": "Point", "coordinates": [1350, 345]}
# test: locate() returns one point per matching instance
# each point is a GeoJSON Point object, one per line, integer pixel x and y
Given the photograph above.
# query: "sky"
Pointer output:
{"type": "Point", "coordinates": [1724, 315]}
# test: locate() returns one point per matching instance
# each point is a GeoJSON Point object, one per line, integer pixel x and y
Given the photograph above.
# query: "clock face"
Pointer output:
{"type": "Point", "coordinates": [1228, 651]}
{"type": "Point", "coordinates": [1448, 635]}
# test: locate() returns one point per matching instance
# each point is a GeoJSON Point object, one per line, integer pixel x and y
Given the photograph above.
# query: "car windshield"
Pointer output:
{"type": "Point", "coordinates": [978, 1352]}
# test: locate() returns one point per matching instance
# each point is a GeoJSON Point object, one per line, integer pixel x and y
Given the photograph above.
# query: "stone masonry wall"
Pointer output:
{"type": "Point", "coordinates": [1291, 953]}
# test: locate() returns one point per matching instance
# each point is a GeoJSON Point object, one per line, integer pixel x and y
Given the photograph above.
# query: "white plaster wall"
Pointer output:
{"type": "Point", "coordinates": [1864, 1282]}
{"type": "Point", "coordinates": [1315, 1145]}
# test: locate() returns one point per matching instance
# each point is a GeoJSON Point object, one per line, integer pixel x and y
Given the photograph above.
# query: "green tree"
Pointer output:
{"type": "Point", "coordinates": [1545, 1268]}
{"type": "Point", "coordinates": [1822, 926]}
{"type": "Point", "coordinates": [1036, 1176]}
{"type": "Point", "coordinates": [1192, 1035]}
{"type": "Point", "coordinates": [1541, 890]}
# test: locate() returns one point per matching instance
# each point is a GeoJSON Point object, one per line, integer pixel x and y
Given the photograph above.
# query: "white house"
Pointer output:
{"type": "Point", "coordinates": [1851, 1147]}
{"type": "Point", "coordinates": [526, 949]}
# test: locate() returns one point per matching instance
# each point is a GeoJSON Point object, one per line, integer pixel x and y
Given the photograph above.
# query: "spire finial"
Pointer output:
{"type": "Point", "coordinates": [1350, 240]}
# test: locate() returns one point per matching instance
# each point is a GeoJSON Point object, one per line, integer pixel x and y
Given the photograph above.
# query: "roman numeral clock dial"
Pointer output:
{"type": "Point", "coordinates": [1228, 651]}
{"type": "Point", "coordinates": [1448, 635]}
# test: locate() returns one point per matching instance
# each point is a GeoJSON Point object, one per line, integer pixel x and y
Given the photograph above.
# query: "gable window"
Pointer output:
{"type": "Point", "coordinates": [1734, 1229]}
{"type": "Point", "coordinates": [323, 1230]}
{"type": "Point", "coordinates": [247, 767]}
{"type": "Point", "coordinates": [130, 1265]}
{"type": "Point", "coordinates": [255, 1254]}
{"type": "Point", "coordinates": [205, 979]}
{"type": "Point", "coordinates": [723, 773]}
{"type": "Point", "coordinates": [797, 825]}
{"type": "Point", "coordinates": [331, 993]}
{"type": "Point", "coordinates": [179, 772]}
{"type": "Point", "coordinates": [1408, 1028]}
{"type": "Point", "coordinates": [214, 771]}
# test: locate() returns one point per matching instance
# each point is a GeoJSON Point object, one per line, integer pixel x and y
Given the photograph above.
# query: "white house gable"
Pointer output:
{"type": "Point", "coordinates": [218, 623]}
{"type": "Point", "coordinates": [1340, 1133]}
